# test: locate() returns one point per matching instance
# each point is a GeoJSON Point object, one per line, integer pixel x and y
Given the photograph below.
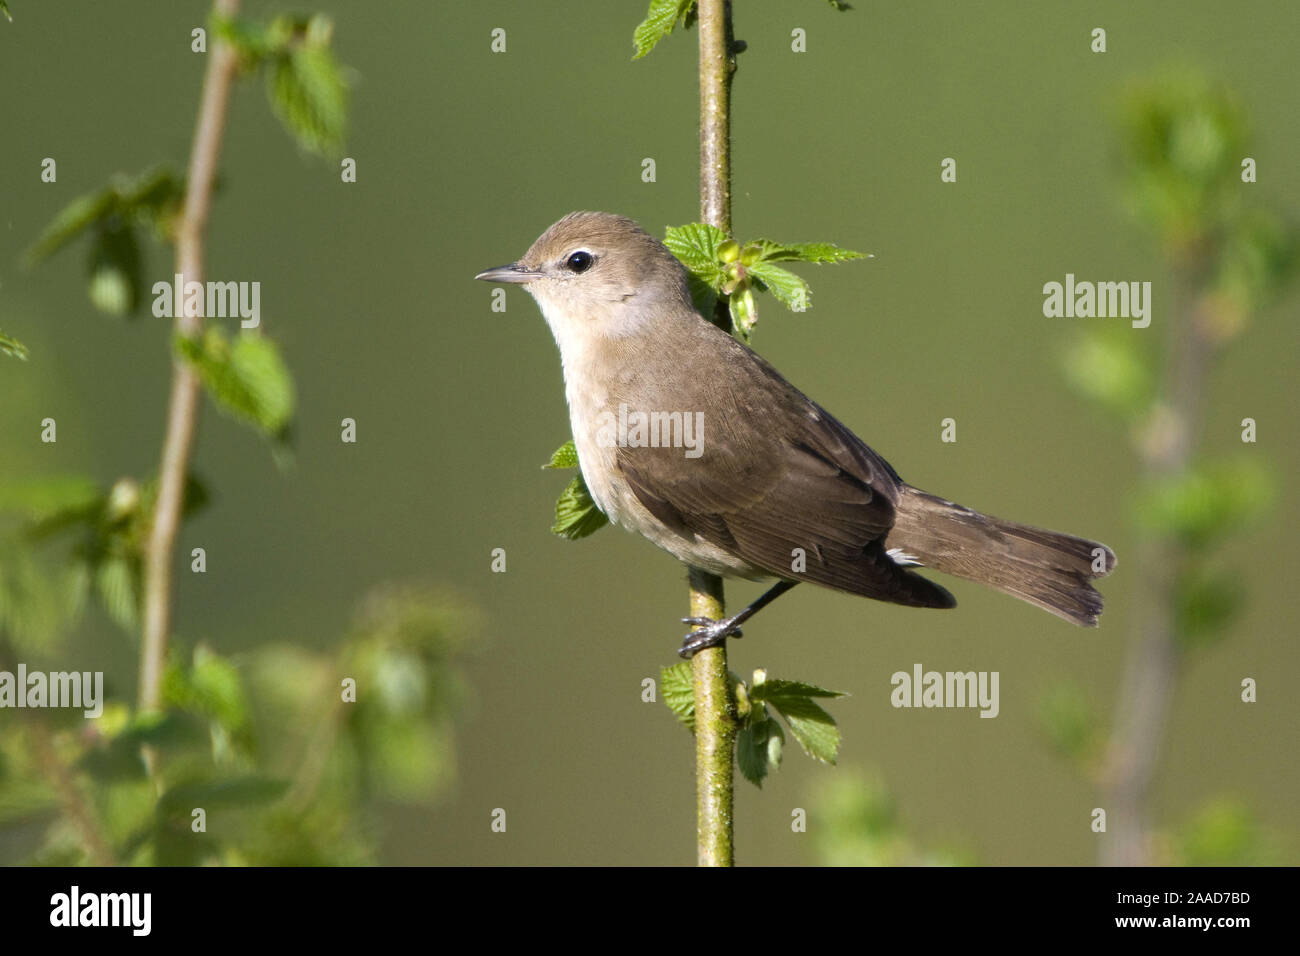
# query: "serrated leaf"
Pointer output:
{"type": "Point", "coordinates": [659, 21]}
{"type": "Point", "coordinates": [576, 514]}
{"type": "Point", "coordinates": [817, 252]}
{"type": "Point", "coordinates": [774, 689]}
{"type": "Point", "coordinates": [811, 725]}
{"type": "Point", "coordinates": [71, 221]}
{"type": "Point", "coordinates": [307, 93]}
{"type": "Point", "coordinates": [248, 378]}
{"type": "Point", "coordinates": [566, 456]}
{"type": "Point", "coordinates": [12, 347]}
{"type": "Point", "coordinates": [789, 289]}
{"type": "Point", "coordinates": [697, 246]}
{"type": "Point", "coordinates": [677, 688]}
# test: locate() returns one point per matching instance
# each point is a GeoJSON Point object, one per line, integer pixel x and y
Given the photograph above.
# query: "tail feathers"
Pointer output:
{"type": "Point", "coordinates": [1044, 568]}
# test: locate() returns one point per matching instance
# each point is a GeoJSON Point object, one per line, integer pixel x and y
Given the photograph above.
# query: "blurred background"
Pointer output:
{"type": "Point", "coordinates": [522, 690]}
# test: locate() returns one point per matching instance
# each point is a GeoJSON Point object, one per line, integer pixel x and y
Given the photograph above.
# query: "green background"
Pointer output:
{"type": "Point", "coordinates": [463, 158]}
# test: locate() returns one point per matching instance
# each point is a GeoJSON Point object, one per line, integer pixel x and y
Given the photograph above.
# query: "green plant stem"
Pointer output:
{"type": "Point", "coordinates": [1151, 667]}
{"type": "Point", "coordinates": [183, 405]}
{"type": "Point", "coordinates": [715, 709]}
{"type": "Point", "coordinates": [715, 732]}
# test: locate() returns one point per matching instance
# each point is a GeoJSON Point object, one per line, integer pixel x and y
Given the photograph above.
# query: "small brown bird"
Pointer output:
{"type": "Point", "coordinates": [688, 437]}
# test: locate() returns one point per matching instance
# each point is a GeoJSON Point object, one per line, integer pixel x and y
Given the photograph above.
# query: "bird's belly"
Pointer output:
{"type": "Point", "coordinates": [613, 495]}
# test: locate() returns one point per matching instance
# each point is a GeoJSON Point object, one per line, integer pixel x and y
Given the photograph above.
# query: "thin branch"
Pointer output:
{"type": "Point", "coordinates": [182, 412]}
{"type": "Point", "coordinates": [1151, 669]}
{"type": "Point", "coordinates": [715, 709]}
{"type": "Point", "coordinates": [76, 808]}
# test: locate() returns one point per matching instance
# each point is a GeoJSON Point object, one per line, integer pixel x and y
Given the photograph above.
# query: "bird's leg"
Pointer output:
{"type": "Point", "coordinates": [710, 633]}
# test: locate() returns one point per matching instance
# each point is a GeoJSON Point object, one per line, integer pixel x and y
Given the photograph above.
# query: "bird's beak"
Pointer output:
{"type": "Point", "coordinates": [512, 273]}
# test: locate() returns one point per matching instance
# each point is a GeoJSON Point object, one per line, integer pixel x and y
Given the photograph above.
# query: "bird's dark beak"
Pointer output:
{"type": "Point", "coordinates": [512, 273]}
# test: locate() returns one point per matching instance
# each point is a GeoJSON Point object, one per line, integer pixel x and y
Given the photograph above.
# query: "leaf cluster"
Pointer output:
{"type": "Point", "coordinates": [760, 741]}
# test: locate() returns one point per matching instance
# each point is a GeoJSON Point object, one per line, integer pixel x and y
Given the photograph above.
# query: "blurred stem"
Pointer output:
{"type": "Point", "coordinates": [76, 808]}
{"type": "Point", "coordinates": [183, 405]}
{"type": "Point", "coordinates": [715, 710]}
{"type": "Point", "coordinates": [1151, 669]}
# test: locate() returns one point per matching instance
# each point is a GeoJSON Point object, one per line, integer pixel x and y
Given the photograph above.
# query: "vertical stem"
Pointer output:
{"type": "Point", "coordinates": [716, 67]}
{"type": "Point", "coordinates": [715, 710]}
{"type": "Point", "coordinates": [183, 406]}
{"type": "Point", "coordinates": [715, 732]}
{"type": "Point", "coordinates": [1151, 669]}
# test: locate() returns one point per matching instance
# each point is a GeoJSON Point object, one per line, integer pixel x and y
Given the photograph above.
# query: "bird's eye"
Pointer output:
{"type": "Point", "coordinates": [580, 261]}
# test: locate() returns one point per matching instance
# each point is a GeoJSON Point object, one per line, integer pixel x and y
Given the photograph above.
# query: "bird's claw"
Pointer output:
{"type": "Point", "coordinates": [708, 633]}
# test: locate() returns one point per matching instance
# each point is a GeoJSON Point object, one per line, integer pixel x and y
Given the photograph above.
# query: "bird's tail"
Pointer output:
{"type": "Point", "coordinates": [1045, 568]}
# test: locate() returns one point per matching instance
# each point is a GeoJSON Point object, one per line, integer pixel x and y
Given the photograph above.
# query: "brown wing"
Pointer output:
{"type": "Point", "coordinates": [776, 473]}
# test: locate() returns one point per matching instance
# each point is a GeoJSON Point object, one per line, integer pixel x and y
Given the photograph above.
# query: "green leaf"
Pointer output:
{"type": "Point", "coordinates": [744, 314]}
{"type": "Point", "coordinates": [75, 218]}
{"type": "Point", "coordinates": [700, 247]}
{"type": "Point", "coordinates": [811, 725]}
{"type": "Point", "coordinates": [252, 40]}
{"type": "Point", "coordinates": [4, 8]}
{"type": "Point", "coordinates": [38, 498]}
{"type": "Point", "coordinates": [307, 92]}
{"type": "Point", "coordinates": [576, 514]}
{"type": "Point", "coordinates": [151, 198]}
{"type": "Point", "coordinates": [1225, 832]}
{"type": "Point", "coordinates": [789, 289]}
{"type": "Point", "coordinates": [566, 456]}
{"type": "Point", "coordinates": [239, 791]}
{"type": "Point", "coordinates": [248, 378]}
{"type": "Point", "coordinates": [210, 687]}
{"type": "Point", "coordinates": [677, 687]}
{"type": "Point", "coordinates": [1069, 721]}
{"type": "Point", "coordinates": [12, 347]}
{"type": "Point", "coordinates": [1205, 603]}
{"type": "Point", "coordinates": [819, 252]}
{"type": "Point", "coordinates": [116, 274]}
{"type": "Point", "coordinates": [30, 606]}
{"type": "Point", "coordinates": [759, 748]}
{"type": "Point", "coordinates": [659, 21]}
{"type": "Point", "coordinates": [119, 757]}
{"type": "Point", "coordinates": [1208, 501]}
{"type": "Point", "coordinates": [117, 581]}
{"type": "Point", "coordinates": [1110, 371]}
{"type": "Point", "coordinates": [774, 690]}
{"type": "Point", "coordinates": [697, 245]}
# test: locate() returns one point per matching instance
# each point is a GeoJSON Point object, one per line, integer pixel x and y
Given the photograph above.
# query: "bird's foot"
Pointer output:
{"type": "Point", "coordinates": [709, 633]}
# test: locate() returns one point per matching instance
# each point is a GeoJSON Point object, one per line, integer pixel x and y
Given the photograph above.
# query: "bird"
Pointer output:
{"type": "Point", "coordinates": [772, 476]}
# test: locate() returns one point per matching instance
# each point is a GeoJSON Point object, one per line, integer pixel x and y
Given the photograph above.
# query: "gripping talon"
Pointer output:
{"type": "Point", "coordinates": [709, 633]}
